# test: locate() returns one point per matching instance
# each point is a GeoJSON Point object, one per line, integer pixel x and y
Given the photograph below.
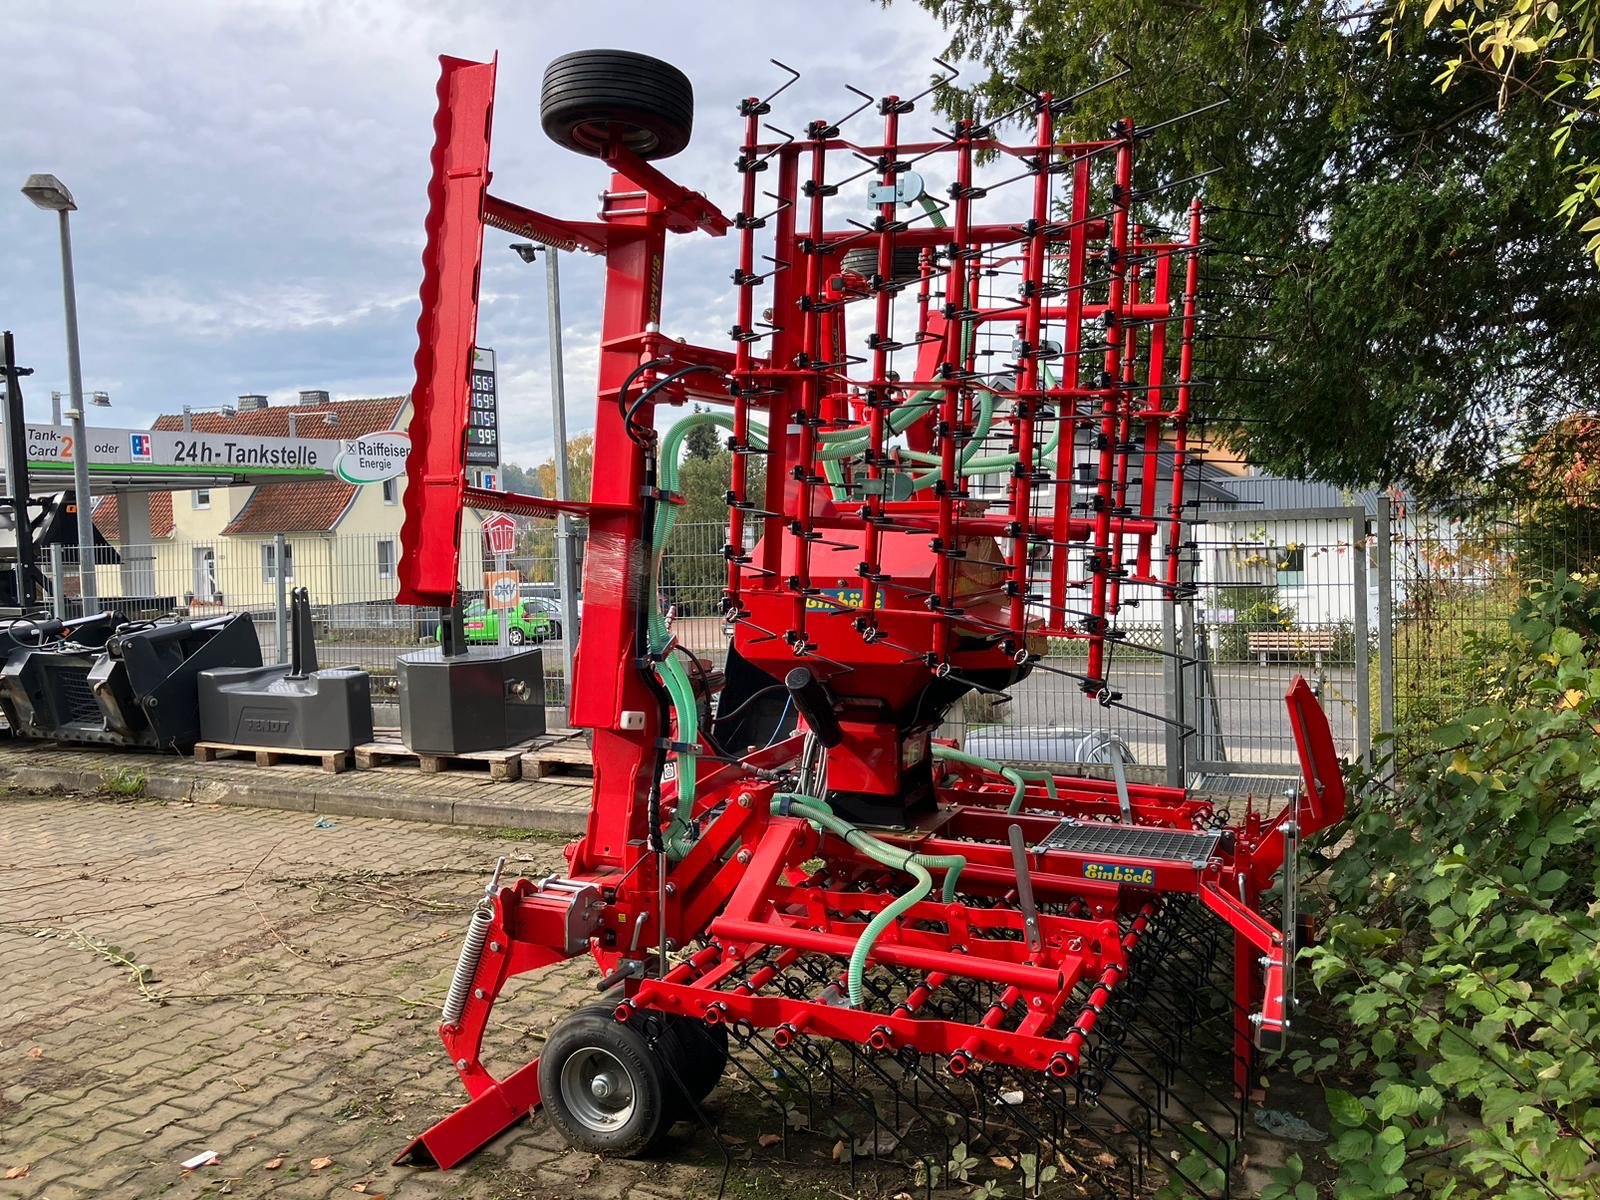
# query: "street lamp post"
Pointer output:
{"type": "Point", "coordinates": [50, 194]}
{"type": "Point", "coordinates": [566, 541]}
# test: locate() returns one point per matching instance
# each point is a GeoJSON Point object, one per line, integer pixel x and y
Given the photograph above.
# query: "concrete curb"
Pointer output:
{"type": "Point", "coordinates": [327, 800]}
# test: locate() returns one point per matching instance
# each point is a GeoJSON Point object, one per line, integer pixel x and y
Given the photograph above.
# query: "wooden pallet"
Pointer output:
{"type": "Point", "coordinates": [333, 762]}
{"type": "Point", "coordinates": [567, 760]}
{"type": "Point", "coordinates": [505, 766]}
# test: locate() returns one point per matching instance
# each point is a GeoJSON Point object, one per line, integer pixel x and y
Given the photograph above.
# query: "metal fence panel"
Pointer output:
{"type": "Point", "coordinates": [1278, 593]}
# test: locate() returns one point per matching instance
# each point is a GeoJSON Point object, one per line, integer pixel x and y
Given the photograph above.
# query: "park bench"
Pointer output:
{"type": "Point", "coordinates": [1316, 642]}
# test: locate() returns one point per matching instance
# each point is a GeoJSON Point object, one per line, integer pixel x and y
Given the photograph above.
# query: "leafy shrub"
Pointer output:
{"type": "Point", "coordinates": [1255, 608]}
{"type": "Point", "coordinates": [1465, 954]}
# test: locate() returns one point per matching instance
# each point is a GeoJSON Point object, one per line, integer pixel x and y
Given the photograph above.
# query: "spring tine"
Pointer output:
{"type": "Point", "coordinates": [785, 85]}
{"type": "Point", "coordinates": [954, 74]}
{"type": "Point", "coordinates": [1146, 130]}
{"type": "Point", "coordinates": [1065, 103]}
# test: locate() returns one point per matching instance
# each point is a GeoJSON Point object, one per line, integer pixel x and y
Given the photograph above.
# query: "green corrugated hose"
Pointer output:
{"type": "Point", "coordinates": [1015, 776]}
{"type": "Point", "coordinates": [680, 690]}
{"type": "Point", "coordinates": [918, 866]}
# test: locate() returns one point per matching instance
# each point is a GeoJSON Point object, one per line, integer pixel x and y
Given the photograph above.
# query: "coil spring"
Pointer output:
{"type": "Point", "coordinates": [467, 965]}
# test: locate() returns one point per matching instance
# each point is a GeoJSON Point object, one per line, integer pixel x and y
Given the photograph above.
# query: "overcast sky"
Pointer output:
{"type": "Point", "coordinates": [251, 182]}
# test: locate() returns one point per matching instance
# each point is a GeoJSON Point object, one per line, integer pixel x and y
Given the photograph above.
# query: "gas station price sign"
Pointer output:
{"type": "Point", "coordinates": [483, 425]}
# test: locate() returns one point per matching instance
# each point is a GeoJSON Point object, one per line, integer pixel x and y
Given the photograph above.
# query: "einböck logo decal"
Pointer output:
{"type": "Point", "coordinates": [833, 599]}
{"type": "Point", "coordinates": [1120, 873]}
{"type": "Point", "coordinates": [373, 458]}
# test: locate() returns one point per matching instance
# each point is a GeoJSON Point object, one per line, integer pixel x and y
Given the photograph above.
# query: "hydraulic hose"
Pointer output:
{"type": "Point", "coordinates": [680, 689]}
{"type": "Point", "coordinates": [972, 463]}
{"type": "Point", "coordinates": [919, 866]}
{"type": "Point", "coordinates": [1015, 776]}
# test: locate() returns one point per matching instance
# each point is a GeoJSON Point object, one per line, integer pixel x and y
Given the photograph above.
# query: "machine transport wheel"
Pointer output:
{"type": "Point", "coordinates": [552, 631]}
{"type": "Point", "coordinates": [592, 96]}
{"type": "Point", "coordinates": [601, 1083]}
{"type": "Point", "coordinates": [863, 261]}
{"type": "Point", "coordinates": [699, 1057]}
{"type": "Point", "coordinates": [516, 637]}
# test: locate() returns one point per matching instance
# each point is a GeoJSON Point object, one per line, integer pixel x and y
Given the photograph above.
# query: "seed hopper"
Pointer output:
{"type": "Point", "coordinates": [958, 393]}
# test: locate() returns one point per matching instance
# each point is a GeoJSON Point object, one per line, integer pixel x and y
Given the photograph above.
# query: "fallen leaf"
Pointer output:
{"type": "Point", "coordinates": [732, 1139]}
{"type": "Point", "coordinates": [768, 1140]}
{"type": "Point", "coordinates": [1105, 1159]}
{"type": "Point", "coordinates": [838, 1150]}
{"type": "Point", "coordinates": [35, 1051]}
{"type": "Point", "coordinates": [360, 1185]}
{"type": "Point", "coordinates": [318, 1163]}
{"type": "Point", "coordinates": [879, 1141]}
{"type": "Point", "coordinates": [1066, 1167]}
{"type": "Point", "coordinates": [272, 1164]}
{"type": "Point", "coordinates": [19, 1172]}
{"type": "Point", "coordinates": [1004, 1163]}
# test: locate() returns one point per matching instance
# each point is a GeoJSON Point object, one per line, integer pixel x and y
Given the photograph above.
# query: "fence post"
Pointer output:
{"type": "Point", "coordinates": [1172, 669]}
{"type": "Point", "coordinates": [279, 546]}
{"type": "Point", "coordinates": [1358, 564]}
{"type": "Point", "coordinates": [1385, 535]}
{"type": "Point", "coordinates": [1192, 685]}
{"type": "Point", "coordinates": [58, 582]}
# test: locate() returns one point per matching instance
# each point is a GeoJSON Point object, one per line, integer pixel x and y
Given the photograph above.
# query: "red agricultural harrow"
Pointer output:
{"type": "Point", "coordinates": [958, 400]}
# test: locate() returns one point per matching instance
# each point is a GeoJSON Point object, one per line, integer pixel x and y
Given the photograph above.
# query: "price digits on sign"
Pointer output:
{"type": "Point", "coordinates": [483, 430]}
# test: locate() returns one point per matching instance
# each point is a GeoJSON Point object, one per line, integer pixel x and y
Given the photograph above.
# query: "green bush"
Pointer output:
{"type": "Point", "coordinates": [1443, 637]}
{"type": "Point", "coordinates": [1463, 960]}
{"type": "Point", "coordinates": [1255, 608]}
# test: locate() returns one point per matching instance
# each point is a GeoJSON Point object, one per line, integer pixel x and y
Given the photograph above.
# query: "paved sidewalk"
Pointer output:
{"type": "Point", "coordinates": [298, 962]}
{"type": "Point", "coordinates": [454, 797]}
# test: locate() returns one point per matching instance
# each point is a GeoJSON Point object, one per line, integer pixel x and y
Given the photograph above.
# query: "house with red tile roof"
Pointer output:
{"type": "Point", "coordinates": [217, 547]}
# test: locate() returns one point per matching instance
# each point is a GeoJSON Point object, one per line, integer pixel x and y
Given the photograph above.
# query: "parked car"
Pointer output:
{"type": "Point", "coordinates": [551, 608]}
{"type": "Point", "coordinates": [529, 623]}
{"type": "Point", "coordinates": [1042, 744]}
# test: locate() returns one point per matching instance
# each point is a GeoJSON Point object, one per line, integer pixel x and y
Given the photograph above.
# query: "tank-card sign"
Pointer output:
{"type": "Point", "coordinates": [368, 459]}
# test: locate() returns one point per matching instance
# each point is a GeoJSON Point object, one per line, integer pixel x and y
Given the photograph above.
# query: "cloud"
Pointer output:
{"type": "Point", "coordinates": [252, 175]}
{"type": "Point", "coordinates": [168, 306]}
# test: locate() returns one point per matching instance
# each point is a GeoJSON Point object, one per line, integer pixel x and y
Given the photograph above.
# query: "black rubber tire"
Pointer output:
{"type": "Point", "coordinates": [552, 632]}
{"type": "Point", "coordinates": [516, 637]}
{"type": "Point", "coordinates": [590, 96]}
{"type": "Point", "coordinates": [595, 1027]}
{"type": "Point", "coordinates": [699, 1055]}
{"type": "Point", "coordinates": [863, 261]}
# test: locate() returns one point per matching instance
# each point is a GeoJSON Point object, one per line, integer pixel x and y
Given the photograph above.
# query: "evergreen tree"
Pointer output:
{"type": "Point", "coordinates": [1393, 295]}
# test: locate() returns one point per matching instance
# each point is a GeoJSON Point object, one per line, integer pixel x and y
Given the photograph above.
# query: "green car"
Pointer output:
{"type": "Point", "coordinates": [531, 622]}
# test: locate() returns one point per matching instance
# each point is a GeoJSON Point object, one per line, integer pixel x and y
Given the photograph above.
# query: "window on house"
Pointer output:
{"type": "Point", "coordinates": [391, 491]}
{"type": "Point", "coordinates": [200, 498]}
{"type": "Point", "coordinates": [269, 561]}
{"type": "Point", "coordinates": [1291, 562]}
{"type": "Point", "coordinates": [386, 558]}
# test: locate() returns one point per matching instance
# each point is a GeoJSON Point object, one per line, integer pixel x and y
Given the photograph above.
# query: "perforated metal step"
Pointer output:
{"type": "Point", "coordinates": [1103, 839]}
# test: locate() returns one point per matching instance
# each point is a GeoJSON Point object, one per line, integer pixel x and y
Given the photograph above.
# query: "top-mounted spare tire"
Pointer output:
{"type": "Point", "coordinates": [591, 97]}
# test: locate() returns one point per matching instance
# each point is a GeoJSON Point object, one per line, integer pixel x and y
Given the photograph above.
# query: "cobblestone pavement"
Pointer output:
{"type": "Point", "coordinates": [298, 962]}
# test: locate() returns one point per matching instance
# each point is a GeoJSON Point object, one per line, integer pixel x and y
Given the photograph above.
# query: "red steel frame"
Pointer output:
{"type": "Point", "coordinates": [938, 586]}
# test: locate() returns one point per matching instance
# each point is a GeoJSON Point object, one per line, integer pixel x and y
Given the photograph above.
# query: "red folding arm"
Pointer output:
{"type": "Point", "coordinates": [446, 333]}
